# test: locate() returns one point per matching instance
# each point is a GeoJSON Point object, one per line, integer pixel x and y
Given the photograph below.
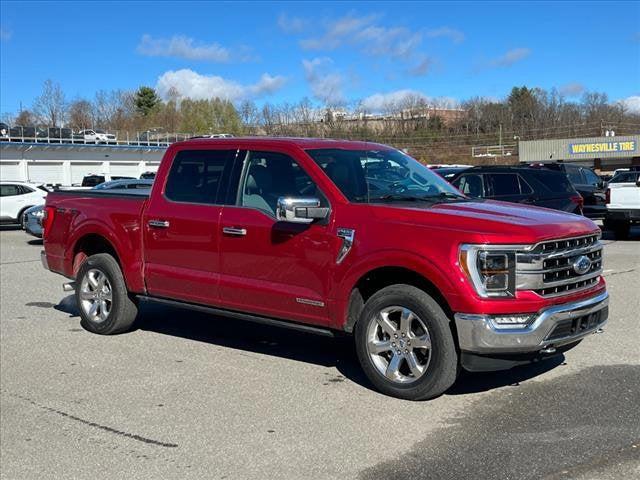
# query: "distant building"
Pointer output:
{"type": "Point", "coordinates": [602, 153]}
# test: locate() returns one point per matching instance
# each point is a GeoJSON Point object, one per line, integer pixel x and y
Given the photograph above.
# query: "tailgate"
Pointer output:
{"type": "Point", "coordinates": [624, 196]}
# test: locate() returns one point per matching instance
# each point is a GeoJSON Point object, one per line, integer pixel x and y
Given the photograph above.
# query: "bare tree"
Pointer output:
{"type": "Point", "coordinates": [50, 106]}
{"type": "Point", "coordinates": [81, 114]}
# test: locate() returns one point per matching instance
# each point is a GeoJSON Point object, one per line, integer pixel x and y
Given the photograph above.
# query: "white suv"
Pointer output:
{"type": "Point", "coordinates": [97, 136]}
{"type": "Point", "coordinates": [16, 197]}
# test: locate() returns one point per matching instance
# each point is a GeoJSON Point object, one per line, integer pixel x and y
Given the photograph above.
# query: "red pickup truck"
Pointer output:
{"type": "Point", "coordinates": [335, 237]}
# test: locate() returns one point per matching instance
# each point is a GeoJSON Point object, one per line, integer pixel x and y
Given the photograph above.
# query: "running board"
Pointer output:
{"type": "Point", "coordinates": [243, 316]}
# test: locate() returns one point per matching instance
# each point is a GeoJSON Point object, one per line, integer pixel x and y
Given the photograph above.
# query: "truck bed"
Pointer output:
{"type": "Point", "coordinates": [79, 215]}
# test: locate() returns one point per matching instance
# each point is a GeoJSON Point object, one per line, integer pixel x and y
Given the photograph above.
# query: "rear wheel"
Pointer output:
{"type": "Point", "coordinates": [105, 305]}
{"type": "Point", "coordinates": [405, 345]}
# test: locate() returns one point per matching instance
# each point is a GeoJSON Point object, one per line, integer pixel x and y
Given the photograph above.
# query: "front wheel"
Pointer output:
{"type": "Point", "coordinates": [405, 345]}
{"type": "Point", "coordinates": [105, 305]}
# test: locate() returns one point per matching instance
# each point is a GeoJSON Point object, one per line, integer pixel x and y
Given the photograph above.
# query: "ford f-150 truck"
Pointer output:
{"type": "Point", "coordinates": [335, 237]}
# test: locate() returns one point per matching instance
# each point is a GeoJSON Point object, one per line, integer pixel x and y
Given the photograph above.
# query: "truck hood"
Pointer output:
{"type": "Point", "coordinates": [520, 223]}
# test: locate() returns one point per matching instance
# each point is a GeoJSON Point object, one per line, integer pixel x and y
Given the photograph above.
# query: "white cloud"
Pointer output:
{"type": "Point", "coordinates": [365, 34]}
{"type": "Point", "coordinates": [182, 47]}
{"type": "Point", "coordinates": [631, 104]}
{"type": "Point", "coordinates": [572, 89]}
{"type": "Point", "coordinates": [326, 84]}
{"type": "Point", "coordinates": [292, 24]}
{"type": "Point", "coordinates": [510, 57]}
{"type": "Point", "coordinates": [456, 36]}
{"type": "Point", "coordinates": [192, 85]}
{"type": "Point", "coordinates": [381, 102]}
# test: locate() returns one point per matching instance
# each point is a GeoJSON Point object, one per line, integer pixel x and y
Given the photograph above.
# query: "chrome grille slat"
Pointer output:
{"type": "Point", "coordinates": [547, 268]}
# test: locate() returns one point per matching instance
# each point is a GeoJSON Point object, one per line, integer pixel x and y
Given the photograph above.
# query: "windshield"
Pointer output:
{"type": "Point", "coordinates": [382, 175]}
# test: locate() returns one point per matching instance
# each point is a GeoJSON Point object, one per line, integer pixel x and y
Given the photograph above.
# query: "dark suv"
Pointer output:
{"type": "Point", "coordinates": [589, 185]}
{"type": "Point", "coordinates": [533, 186]}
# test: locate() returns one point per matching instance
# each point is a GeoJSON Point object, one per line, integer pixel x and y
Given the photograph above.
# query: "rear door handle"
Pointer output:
{"type": "Point", "coordinates": [238, 232]}
{"type": "Point", "coordinates": [158, 223]}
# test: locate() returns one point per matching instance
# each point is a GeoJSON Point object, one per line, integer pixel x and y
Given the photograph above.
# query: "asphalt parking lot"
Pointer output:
{"type": "Point", "coordinates": [191, 396]}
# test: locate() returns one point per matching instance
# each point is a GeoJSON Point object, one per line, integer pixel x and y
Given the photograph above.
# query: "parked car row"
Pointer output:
{"type": "Point", "coordinates": [55, 135]}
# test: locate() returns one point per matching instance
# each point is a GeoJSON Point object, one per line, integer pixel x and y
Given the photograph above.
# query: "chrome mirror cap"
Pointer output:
{"type": "Point", "coordinates": [300, 210]}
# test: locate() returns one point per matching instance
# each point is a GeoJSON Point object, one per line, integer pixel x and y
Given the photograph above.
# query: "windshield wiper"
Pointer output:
{"type": "Point", "coordinates": [445, 196]}
{"type": "Point", "coordinates": [442, 196]}
{"type": "Point", "coordinates": [394, 197]}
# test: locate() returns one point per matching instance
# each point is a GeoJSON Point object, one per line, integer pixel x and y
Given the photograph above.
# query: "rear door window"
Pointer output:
{"type": "Point", "coordinates": [196, 176]}
{"type": "Point", "coordinates": [574, 174]}
{"type": "Point", "coordinates": [9, 190]}
{"type": "Point", "coordinates": [504, 184]}
{"type": "Point", "coordinates": [590, 177]}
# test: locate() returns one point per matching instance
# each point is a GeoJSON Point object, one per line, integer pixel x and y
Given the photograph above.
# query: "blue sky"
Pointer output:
{"type": "Point", "coordinates": [329, 52]}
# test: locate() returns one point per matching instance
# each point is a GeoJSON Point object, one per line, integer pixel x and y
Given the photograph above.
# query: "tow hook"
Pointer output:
{"type": "Point", "coordinates": [69, 287]}
{"type": "Point", "coordinates": [600, 330]}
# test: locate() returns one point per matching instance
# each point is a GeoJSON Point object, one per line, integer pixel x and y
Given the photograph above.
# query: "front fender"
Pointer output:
{"type": "Point", "coordinates": [421, 265]}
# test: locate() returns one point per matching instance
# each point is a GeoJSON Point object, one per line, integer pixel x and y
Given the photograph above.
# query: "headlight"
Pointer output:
{"type": "Point", "coordinates": [38, 213]}
{"type": "Point", "coordinates": [491, 269]}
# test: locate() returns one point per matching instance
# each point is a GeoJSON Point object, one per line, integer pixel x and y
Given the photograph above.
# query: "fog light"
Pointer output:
{"type": "Point", "coordinates": [511, 321]}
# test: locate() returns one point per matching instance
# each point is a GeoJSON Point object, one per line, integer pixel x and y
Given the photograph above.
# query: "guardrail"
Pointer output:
{"type": "Point", "coordinates": [158, 142]}
{"type": "Point", "coordinates": [66, 136]}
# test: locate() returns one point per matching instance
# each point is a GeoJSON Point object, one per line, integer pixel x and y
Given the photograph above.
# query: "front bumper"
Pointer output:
{"type": "Point", "coordinates": [632, 215]}
{"type": "Point", "coordinates": [551, 327]}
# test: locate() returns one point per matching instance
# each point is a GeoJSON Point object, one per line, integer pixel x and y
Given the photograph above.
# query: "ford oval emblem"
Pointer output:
{"type": "Point", "coordinates": [582, 265]}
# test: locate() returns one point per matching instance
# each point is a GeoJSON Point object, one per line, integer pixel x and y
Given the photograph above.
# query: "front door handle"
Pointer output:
{"type": "Point", "coordinates": [158, 223]}
{"type": "Point", "coordinates": [238, 232]}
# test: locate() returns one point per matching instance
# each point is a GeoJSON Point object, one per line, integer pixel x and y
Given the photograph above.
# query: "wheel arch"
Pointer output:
{"type": "Point", "coordinates": [378, 277]}
{"type": "Point", "coordinates": [92, 244]}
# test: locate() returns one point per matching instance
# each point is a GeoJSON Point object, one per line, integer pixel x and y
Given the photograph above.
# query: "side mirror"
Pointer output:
{"type": "Point", "coordinates": [300, 210]}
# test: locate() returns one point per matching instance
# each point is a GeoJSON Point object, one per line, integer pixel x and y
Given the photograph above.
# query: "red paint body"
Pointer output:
{"type": "Point", "coordinates": [265, 271]}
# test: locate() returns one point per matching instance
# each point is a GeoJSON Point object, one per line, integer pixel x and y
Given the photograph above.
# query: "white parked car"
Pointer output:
{"type": "Point", "coordinates": [17, 197]}
{"type": "Point", "coordinates": [97, 136]}
{"type": "Point", "coordinates": [623, 203]}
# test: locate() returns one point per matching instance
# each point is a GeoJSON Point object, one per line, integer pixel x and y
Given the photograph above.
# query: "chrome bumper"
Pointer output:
{"type": "Point", "coordinates": [43, 259]}
{"type": "Point", "coordinates": [551, 327]}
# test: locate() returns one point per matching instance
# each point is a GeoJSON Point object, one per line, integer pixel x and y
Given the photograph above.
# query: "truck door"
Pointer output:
{"type": "Point", "coordinates": [269, 267]}
{"type": "Point", "coordinates": [181, 225]}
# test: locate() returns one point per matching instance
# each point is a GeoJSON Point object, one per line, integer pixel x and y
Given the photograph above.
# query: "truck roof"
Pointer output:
{"type": "Point", "coordinates": [304, 143]}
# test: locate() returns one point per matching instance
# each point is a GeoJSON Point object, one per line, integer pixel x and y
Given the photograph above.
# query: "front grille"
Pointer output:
{"type": "Point", "coordinates": [548, 268]}
{"type": "Point", "coordinates": [575, 326]}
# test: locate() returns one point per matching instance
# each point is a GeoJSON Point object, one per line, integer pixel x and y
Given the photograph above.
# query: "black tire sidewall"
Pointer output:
{"type": "Point", "coordinates": [119, 317]}
{"type": "Point", "coordinates": [443, 365]}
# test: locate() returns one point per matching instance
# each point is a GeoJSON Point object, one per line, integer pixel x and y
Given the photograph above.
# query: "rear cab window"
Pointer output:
{"type": "Point", "coordinates": [200, 176]}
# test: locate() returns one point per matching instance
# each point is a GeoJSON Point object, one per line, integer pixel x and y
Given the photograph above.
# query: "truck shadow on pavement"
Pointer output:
{"type": "Point", "coordinates": [338, 353]}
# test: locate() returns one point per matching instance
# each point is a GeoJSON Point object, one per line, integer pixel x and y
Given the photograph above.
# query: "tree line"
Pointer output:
{"type": "Point", "coordinates": [430, 128]}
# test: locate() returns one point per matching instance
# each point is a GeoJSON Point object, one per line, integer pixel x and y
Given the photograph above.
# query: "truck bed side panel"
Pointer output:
{"type": "Point", "coordinates": [115, 218]}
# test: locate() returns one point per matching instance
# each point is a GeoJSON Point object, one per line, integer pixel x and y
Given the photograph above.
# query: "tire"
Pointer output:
{"type": "Point", "coordinates": [621, 229]}
{"type": "Point", "coordinates": [435, 367]}
{"type": "Point", "coordinates": [100, 281]}
{"type": "Point", "coordinates": [22, 220]}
